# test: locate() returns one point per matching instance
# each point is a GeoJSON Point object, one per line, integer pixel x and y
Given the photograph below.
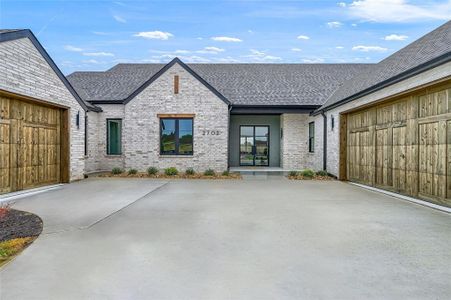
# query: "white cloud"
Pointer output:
{"type": "Point", "coordinates": [339, 47]}
{"type": "Point", "coordinates": [211, 50]}
{"type": "Point", "coordinates": [98, 54]}
{"type": "Point", "coordinates": [334, 24]}
{"type": "Point", "coordinates": [303, 37]}
{"type": "Point", "coordinates": [313, 60]}
{"type": "Point", "coordinates": [391, 11]}
{"type": "Point", "coordinates": [296, 49]}
{"type": "Point", "coordinates": [91, 61]}
{"type": "Point", "coordinates": [119, 19]}
{"type": "Point", "coordinates": [73, 48]}
{"type": "Point", "coordinates": [341, 4]}
{"type": "Point", "coordinates": [250, 31]}
{"type": "Point", "coordinates": [260, 56]}
{"type": "Point", "coordinates": [181, 51]}
{"type": "Point", "coordinates": [354, 25]}
{"type": "Point", "coordinates": [226, 39]}
{"type": "Point", "coordinates": [369, 48]}
{"type": "Point", "coordinates": [228, 59]}
{"type": "Point", "coordinates": [396, 37]}
{"type": "Point", "coordinates": [156, 35]}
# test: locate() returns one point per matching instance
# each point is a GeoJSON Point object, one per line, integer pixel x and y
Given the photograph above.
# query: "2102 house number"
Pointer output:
{"type": "Point", "coordinates": [211, 132]}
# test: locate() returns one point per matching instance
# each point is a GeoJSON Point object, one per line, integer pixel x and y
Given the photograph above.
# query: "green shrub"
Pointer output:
{"type": "Point", "coordinates": [293, 173]}
{"type": "Point", "coordinates": [307, 173]}
{"type": "Point", "coordinates": [152, 171]}
{"type": "Point", "coordinates": [209, 172]}
{"type": "Point", "coordinates": [322, 173]}
{"type": "Point", "coordinates": [132, 171]}
{"type": "Point", "coordinates": [172, 171]}
{"type": "Point", "coordinates": [117, 171]}
{"type": "Point", "coordinates": [226, 173]}
{"type": "Point", "coordinates": [190, 171]}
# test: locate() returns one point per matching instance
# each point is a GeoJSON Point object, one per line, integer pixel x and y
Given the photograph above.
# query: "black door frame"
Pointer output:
{"type": "Point", "coordinates": [253, 147]}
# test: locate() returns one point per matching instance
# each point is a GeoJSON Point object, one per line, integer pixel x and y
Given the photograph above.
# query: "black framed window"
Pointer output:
{"type": "Point", "coordinates": [311, 137]}
{"type": "Point", "coordinates": [114, 136]}
{"type": "Point", "coordinates": [176, 136]}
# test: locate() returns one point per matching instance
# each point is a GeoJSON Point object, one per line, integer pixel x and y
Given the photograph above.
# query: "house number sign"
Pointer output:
{"type": "Point", "coordinates": [211, 132]}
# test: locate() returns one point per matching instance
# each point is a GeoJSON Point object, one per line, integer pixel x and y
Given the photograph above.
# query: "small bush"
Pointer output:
{"type": "Point", "coordinates": [4, 209]}
{"type": "Point", "coordinates": [209, 172]}
{"type": "Point", "coordinates": [190, 171]}
{"type": "Point", "coordinates": [132, 171]}
{"type": "Point", "coordinates": [117, 171]}
{"type": "Point", "coordinates": [307, 173]}
{"type": "Point", "coordinates": [152, 171]}
{"type": "Point", "coordinates": [171, 171]}
{"type": "Point", "coordinates": [293, 173]}
{"type": "Point", "coordinates": [226, 173]}
{"type": "Point", "coordinates": [322, 173]}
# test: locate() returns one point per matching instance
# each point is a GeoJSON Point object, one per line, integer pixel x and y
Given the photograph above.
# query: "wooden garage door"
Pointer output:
{"type": "Point", "coordinates": [30, 144]}
{"type": "Point", "coordinates": [403, 145]}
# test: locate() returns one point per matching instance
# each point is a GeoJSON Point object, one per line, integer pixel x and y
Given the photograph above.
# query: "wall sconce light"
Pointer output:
{"type": "Point", "coordinates": [332, 122]}
{"type": "Point", "coordinates": [77, 120]}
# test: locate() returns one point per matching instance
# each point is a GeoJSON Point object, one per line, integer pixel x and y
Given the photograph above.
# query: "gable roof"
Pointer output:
{"type": "Point", "coordinates": [240, 84]}
{"type": "Point", "coordinates": [13, 34]}
{"type": "Point", "coordinates": [427, 52]}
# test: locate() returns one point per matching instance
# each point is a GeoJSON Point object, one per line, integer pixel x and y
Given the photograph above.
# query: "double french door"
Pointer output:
{"type": "Point", "coordinates": [254, 145]}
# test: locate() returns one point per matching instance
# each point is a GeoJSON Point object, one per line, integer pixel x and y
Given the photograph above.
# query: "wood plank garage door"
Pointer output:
{"type": "Point", "coordinates": [30, 144]}
{"type": "Point", "coordinates": [403, 145]}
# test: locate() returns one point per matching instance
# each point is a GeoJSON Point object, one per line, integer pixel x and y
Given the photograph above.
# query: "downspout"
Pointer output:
{"type": "Point", "coordinates": [324, 140]}
{"type": "Point", "coordinates": [228, 138]}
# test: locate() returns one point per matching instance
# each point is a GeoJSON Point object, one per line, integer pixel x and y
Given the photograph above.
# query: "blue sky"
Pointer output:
{"type": "Point", "coordinates": [95, 35]}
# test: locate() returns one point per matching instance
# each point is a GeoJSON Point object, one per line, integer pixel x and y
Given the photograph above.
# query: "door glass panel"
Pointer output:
{"type": "Point", "coordinates": [254, 146]}
{"type": "Point", "coordinates": [247, 131]}
{"type": "Point", "coordinates": [261, 131]}
{"type": "Point", "coordinates": [246, 147]}
{"type": "Point", "coordinates": [261, 151]}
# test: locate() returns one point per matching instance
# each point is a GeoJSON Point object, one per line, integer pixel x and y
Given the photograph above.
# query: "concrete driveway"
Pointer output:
{"type": "Point", "coordinates": [263, 239]}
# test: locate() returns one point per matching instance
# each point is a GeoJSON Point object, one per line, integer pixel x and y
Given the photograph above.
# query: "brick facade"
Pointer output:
{"type": "Point", "coordinates": [141, 127]}
{"type": "Point", "coordinates": [24, 71]}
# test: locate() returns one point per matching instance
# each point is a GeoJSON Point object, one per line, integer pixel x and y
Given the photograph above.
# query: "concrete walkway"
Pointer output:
{"type": "Point", "coordinates": [273, 239]}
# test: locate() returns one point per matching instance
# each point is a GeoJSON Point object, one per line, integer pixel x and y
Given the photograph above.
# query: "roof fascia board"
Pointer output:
{"type": "Point", "coordinates": [26, 33]}
{"type": "Point", "coordinates": [272, 109]}
{"type": "Point", "coordinates": [395, 79]}
{"type": "Point", "coordinates": [163, 70]}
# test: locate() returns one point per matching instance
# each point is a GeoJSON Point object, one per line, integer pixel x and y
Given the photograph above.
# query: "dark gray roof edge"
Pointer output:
{"type": "Point", "coordinates": [435, 62]}
{"type": "Point", "coordinates": [164, 69]}
{"type": "Point", "coordinates": [26, 33]}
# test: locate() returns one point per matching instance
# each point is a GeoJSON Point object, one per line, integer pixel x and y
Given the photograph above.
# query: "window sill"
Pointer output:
{"type": "Point", "coordinates": [113, 155]}
{"type": "Point", "coordinates": [175, 156]}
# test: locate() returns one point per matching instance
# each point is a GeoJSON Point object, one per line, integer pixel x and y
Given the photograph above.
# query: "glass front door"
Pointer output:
{"type": "Point", "coordinates": [254, 145]}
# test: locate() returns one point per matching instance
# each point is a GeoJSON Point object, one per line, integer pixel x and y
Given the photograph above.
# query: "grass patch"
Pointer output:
{"type": "Point", "coordinates": [117, 171]}
{"type": "Point", "coordinates": [10, 248]}
{"type": "Point", "coordinates": [309, 174]}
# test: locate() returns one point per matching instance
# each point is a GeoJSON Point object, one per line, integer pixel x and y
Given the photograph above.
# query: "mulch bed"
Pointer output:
{"type": "Point", "coordinates": [316, 177]}
{"type": "Point", "coordinates": [19, 224]}
{"type": "Point", "coordinates": [178, 176]}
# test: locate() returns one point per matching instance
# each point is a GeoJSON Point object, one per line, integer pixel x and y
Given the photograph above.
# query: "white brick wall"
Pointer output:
{"type": "Point", "coordinates": [98, 160]}
{"type": "Point", "coordinates": [294, 143]}
{"type": "Point", "coordinates": [24, 71]}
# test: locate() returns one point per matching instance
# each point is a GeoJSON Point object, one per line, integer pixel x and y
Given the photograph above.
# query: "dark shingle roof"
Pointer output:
{"type": "Point", "coordinates": [430, 47]}
{"type": "Point", "coordinates": [242, 84]}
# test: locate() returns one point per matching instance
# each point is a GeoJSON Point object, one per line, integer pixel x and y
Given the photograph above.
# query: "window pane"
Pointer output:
{"type": "Point", "coordinates": [247, 131]}
{"type": "Point", "coordinates": [167, 136]}
{"type": "Point", "coordinates": [185, 136]}
{"type": "Point", "coordinates": [261, 131]}
{"type": "Point", "coordinates": [114, 137]}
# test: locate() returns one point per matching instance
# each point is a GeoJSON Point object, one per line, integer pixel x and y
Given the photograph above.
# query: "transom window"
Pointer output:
{"type": "Point", "coordinates": [176, 136]}
{"type": "Point", "coordinates": [311, 137]}
{"type": "Point", "coordinates": [114, 136]}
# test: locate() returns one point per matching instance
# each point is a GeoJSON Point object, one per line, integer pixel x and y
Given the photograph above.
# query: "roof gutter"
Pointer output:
{"type": "Point", "coordinates": [395, 79]}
